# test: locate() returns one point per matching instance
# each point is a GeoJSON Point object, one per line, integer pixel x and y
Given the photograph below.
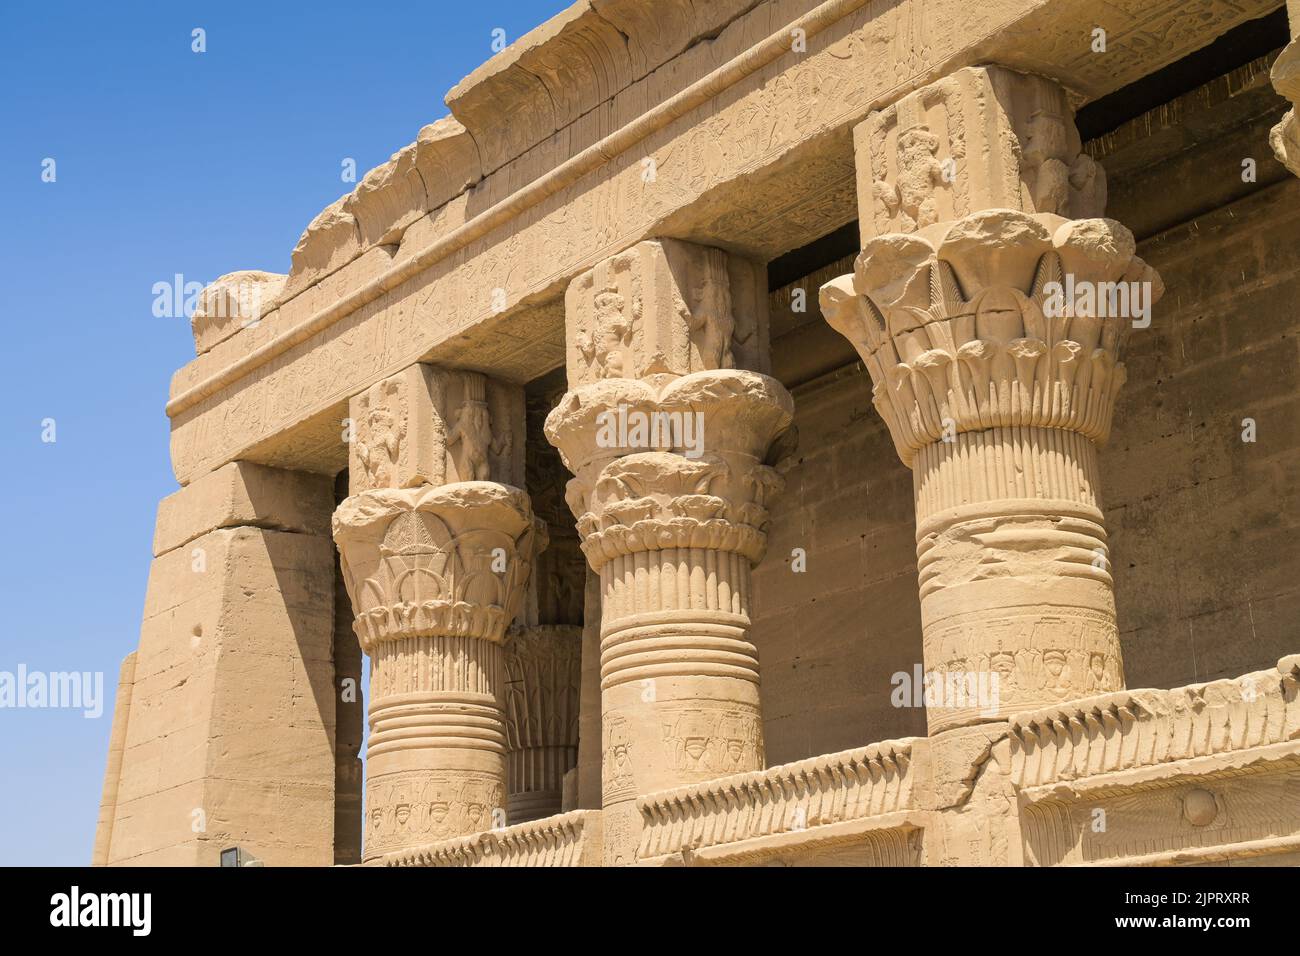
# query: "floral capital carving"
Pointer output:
{"type": "Point", "coordinates": [1002, 318]}
{"type": "Point", "coordinates": [701, 477]}
{"type": "Point", "coordinates": [448, 560]}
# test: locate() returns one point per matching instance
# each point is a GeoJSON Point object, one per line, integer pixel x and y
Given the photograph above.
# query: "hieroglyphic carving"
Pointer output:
{"type": "Point", "coordinates": [710, 743]}
{"type": "Point", "coordinates": [414, 807]}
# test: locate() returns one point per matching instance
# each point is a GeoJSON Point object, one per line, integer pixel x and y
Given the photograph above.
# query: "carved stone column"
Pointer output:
{"type": "Point", "coordinates": [993, 340]}
{"type": "Point", "coordinates": [436, 569]}
{"type": "Point", "coordinates": [669, 442]}
{"type": "Point", "coordinates": [543, 670]}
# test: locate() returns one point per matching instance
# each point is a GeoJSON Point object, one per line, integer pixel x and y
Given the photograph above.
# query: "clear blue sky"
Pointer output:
{"type": "Point", "coordinates": [168, 162]}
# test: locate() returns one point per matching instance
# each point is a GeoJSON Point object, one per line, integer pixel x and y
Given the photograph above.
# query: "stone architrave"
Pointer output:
{"type": "Point", "coordinates": [996, 365]}
{"type": "Point", "coordinates": [980, 138]}
{"type": "Point", "coordinates": [669, 442]}
{"type": "Point", "coordinates": [991, 317]}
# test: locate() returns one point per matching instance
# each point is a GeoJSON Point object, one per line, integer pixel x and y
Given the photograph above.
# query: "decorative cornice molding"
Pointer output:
{"type": "Point", "coordinates": [517, 203]}
{"type": "Point", "coordinates": [1131, 729]}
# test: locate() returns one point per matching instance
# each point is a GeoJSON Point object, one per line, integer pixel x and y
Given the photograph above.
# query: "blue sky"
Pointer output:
{"type": "Point", "coordinates": [167, 161]}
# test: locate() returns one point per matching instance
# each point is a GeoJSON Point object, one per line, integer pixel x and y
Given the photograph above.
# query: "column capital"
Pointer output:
{"type": "Point", "coordinates": [999, 319]}
{"type": "Point", "coordinates": [680, 465]}
{"type": "Point", "coordinates": [452, 560]}
{"type": "Point", "coordinates": [665, 308]}
{"type": "Point", "coordinates": [430, 425]}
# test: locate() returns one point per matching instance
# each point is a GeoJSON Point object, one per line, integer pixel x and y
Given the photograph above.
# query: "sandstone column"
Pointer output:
{"type": "Point", "coordinates": [436, 558]}
{"type": "Point", "coordinates": [668, 439]}
{"type": "Point", "coordinates": [543, 668]}
{"type": "Point", "coordinates": [992, 324]}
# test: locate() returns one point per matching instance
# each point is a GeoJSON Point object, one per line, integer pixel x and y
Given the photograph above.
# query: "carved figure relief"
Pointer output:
{"type": "Point", "coordinates": [911, 198]}
{"type": "Point", "coordinates": [607, 346]}
{"type": "Point", "coordinates": [379, 438]}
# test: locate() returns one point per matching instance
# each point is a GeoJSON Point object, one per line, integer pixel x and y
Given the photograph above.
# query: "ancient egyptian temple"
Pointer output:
{"type": "Point", "coordinates": [756, 432]}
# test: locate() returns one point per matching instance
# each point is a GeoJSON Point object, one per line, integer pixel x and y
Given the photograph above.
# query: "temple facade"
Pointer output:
{"type": "Point", "coordinates": [756, 432]}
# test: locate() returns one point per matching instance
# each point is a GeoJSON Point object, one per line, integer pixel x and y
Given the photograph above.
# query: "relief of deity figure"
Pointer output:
{"type": "Point", "coordinates": [912, 199]}
{"type": "Point", "coordinates": [708, 314]}
{"type": "Point", "coordinates": [607, 346]}
{"type": "Point", "coordinates": [473, 433]}
{"type": "Point", "coordinates": [378, 445]}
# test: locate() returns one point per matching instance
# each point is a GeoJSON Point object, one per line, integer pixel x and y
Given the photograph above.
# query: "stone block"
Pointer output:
{"type": "Point", "coordinates": [243, 493]}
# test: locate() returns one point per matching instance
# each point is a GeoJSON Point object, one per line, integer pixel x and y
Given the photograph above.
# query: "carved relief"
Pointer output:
{"type": "Point", "coordinates": [543, 669]}
{"type": "Point", "coordinates": [427, 425]}
{"type": "Point", "coordinates": [710, 743]}
{"type": "Point", "coordinates": [617, 767]}
{"type": "Point", "coordinates": [665, 307]}
{"type": "Point", "coordinates": [448, 560]}
{"type": "Point", "coordinates": [409, 808]}
{"type": "Point", "coordinates": [471, 439]}
{"type": "Point", "coordinates": [983, 137]}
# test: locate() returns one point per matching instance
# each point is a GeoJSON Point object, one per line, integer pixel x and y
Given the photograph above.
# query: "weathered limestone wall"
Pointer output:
{"type": "Point", "coordinates": [229, 738]}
